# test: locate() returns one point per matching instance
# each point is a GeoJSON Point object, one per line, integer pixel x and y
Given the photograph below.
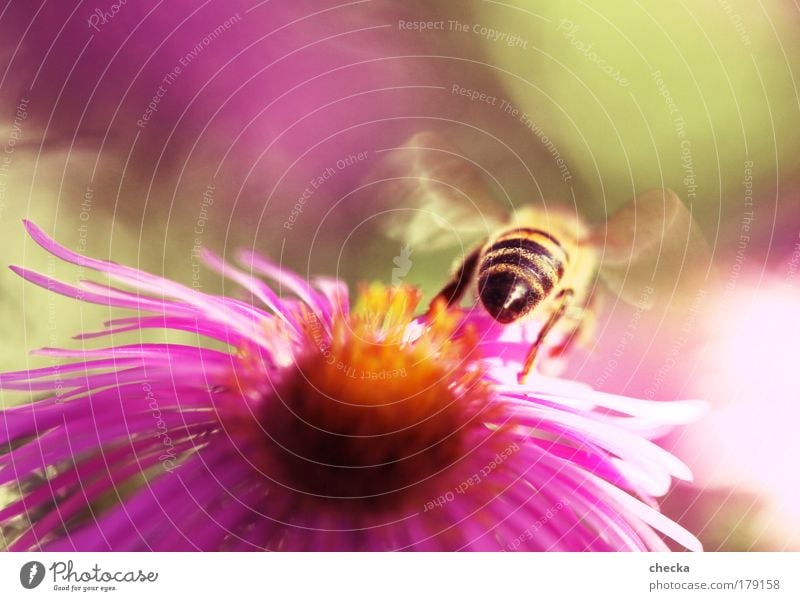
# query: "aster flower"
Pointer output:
{"type": "Point", "coordinates": [305, 425]}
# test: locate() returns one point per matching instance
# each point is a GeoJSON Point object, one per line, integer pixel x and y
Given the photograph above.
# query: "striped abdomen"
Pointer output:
{"type": "Point", "coordinates": [517, 271]}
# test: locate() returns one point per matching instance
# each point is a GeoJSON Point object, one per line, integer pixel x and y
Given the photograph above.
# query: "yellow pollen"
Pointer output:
{"type": "Point", "coordinates": [375, 407]}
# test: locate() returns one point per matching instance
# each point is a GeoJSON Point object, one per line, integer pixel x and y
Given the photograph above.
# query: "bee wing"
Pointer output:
{"type": "Point", "coordinates": [442, 196]}
{"type": "Point", "coordinates": [652, 251]}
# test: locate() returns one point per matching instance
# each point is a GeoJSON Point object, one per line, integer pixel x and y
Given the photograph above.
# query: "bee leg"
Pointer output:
{"type": "Point", "coordinates": [461, 279]}
{"type": "Point", "coordinates": [564, 296]}
{"type": "Point", "coordinates": [585, 320]}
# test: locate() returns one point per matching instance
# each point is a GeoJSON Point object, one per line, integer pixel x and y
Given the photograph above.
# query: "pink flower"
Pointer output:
{"type": "Point", "coordinates": [747, 368]}
{"type": "Point", "coordinates": [296, 423]}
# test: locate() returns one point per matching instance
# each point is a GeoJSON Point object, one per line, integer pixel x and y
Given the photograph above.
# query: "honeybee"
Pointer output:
{"type": "Point", "coordinates": [542, 260]}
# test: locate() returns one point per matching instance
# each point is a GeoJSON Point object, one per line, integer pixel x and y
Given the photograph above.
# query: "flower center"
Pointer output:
{"type": "Point", "coordinates": [373, 408]}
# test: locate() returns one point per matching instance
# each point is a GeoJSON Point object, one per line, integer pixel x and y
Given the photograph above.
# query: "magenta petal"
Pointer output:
{"type": "Point", "coordinates": [165, 446]}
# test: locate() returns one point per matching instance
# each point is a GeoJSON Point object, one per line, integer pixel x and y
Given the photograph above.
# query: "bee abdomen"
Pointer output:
{"type": "Point", "coordinates": [517, 271]}
{"type": "Point", "coordinates": [543, 262]}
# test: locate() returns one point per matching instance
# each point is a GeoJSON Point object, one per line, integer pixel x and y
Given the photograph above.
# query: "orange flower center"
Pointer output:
{"type": "Point", "coordinates": [374, 409]}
